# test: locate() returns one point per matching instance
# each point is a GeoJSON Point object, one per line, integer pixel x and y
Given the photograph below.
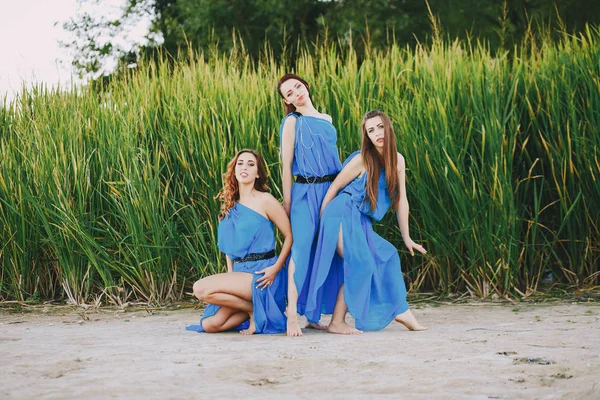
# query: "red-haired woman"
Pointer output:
{"type": "Point", "coordinates": [371, 181]}
{"type": "Point", "coordinates": [250, 297]}
{"type": "Point", "coordinates": [308, 152]}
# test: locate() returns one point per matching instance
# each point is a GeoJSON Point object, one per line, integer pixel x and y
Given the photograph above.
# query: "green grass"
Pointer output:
{"type": "Point", "coordinates": [109, 195]}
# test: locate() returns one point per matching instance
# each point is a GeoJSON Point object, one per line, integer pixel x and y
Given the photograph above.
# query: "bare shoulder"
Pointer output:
{"type": "Point", "coordinates": [289, 123]}
{"type": "Point", "coordinates": [268, 200]}
{"type": "Point", "coordinates": [288, 132]}
{"type": "Point", "coordinates": [271, 206]}
{"type": "Point", "coordinates": [355, 166]}
{"type": "Point", "coordinates": [401, 161]}
{"type": "Point", "coordinates": [357, 159]}
{"type": "Point", "coordinates": [326, 117]}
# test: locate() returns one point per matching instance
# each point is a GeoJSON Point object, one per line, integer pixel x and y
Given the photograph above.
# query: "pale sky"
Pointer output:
{"type": "Point", "coordinates": [29, 35]}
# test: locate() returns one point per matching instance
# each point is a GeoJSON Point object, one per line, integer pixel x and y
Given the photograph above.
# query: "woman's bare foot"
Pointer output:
{"type": "Point", "coordinates": [251, 329]}
{"type": "Point", "coordinates": [408, 320]}
{"type": "Point", "coordinates": [293, 326]}
{"type": "Point", "coordinates": [316, 325]}
{"type": "Point", "coordinates": [342, 328]}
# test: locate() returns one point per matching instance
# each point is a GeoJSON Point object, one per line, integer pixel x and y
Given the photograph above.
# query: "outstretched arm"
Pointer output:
{"type": "Point", "coordinates": [346, 175]}
{"type": "Point", "coordinates": [402, 210]}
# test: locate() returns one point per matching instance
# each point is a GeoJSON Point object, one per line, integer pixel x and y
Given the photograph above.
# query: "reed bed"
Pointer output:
{"type": "Point", "coordinates": [108, 195]}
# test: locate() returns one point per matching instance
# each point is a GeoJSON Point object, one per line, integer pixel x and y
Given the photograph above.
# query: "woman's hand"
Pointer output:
{"type": "Point", "coordinates": [268, 277]}
{"type": "Point", "coordinates": [412, 246]}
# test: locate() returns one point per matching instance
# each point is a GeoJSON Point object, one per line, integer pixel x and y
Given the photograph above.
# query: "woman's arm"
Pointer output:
{"type": "Point", "coordinates": [346, 175]}
{"type": "Point", "coordinates": [403, 208]}
{"type": "Point", "coordinates": [276, 213]}
{"type": "Point", "coordinates": [288, 140]}
{"type": "Point", "coordinates": [229, 263]}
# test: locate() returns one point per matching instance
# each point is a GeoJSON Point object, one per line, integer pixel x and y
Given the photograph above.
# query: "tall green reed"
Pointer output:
{"type": "Point", "coordinates": [109, 194]}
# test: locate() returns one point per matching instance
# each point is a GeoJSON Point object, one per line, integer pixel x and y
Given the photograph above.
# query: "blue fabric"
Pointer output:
{"type": "Point", "coordinates": [242, 232]}
{"type": "Point", "coordinates": [315, 154]}
{"type": "Point", "coordinates": [374, 287]}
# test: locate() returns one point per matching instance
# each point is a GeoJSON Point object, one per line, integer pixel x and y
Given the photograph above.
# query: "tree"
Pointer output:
{"type": "Point", "coordinates": [100, 40]}
{"type": "Point", "coordinates": [280, 24]}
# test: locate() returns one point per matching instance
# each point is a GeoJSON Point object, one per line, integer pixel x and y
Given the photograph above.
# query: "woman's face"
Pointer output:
{"type": "Point", "coordinates": [246, 168]}
{"type": "Point", "coordinates": [294, 92]}
{"type": "Point", "coordinates": [376, 131]}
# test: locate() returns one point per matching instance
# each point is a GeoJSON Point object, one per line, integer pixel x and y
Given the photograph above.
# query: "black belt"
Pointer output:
{"type": "Point", "coordinates": [315, 179]}
{"type": "Point", "coordinates": [256, 256]}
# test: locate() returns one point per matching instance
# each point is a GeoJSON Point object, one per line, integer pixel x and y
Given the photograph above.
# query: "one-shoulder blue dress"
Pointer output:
{"type": "Point", "coordinates": [315, 155]}
{"type": "Point", "coordinates": [374, 287]}
{"type": "Point", "coordinates": [243, 232]}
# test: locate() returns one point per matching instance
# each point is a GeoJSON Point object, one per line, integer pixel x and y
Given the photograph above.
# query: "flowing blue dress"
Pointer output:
{"type": "Point", "coordinates": [315, 154]}
{"type": "Point", "coordinates": [245, 231]}
{"type": "Point", "coordinates": [374, 287]}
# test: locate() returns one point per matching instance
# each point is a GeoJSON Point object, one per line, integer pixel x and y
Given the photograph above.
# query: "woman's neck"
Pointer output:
{"type": "Point", "coordinates": [246, 190]}
{"type": "Point", "coordinates": [307, 109]}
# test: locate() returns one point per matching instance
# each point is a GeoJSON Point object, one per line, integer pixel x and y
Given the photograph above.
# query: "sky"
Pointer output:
{"type": "Point", "coordinates": [30, 31]}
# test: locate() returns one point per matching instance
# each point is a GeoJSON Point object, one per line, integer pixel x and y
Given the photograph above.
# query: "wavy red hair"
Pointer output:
{"type": "Point", "coordinates": [230, 193]}
{"type": "Point", "coordinates": [374, 162]}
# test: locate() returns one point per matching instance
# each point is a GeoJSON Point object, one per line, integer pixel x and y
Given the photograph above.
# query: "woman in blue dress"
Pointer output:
{"type": "Point", "coordinates": [250, 297]}
{"type": "Point", "coordinates": [309, 153]}
{"type": "Point", "coordinates": [371, 181]}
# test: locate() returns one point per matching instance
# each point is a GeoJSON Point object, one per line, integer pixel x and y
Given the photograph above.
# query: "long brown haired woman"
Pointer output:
{"type": "Point", "coordinates": [250, 297]}
{"type": "Point", "coordinates": [371, 181]}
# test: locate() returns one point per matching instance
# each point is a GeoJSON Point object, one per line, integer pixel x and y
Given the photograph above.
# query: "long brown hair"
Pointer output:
{"type": "Point", "coordinates": [373, 161]}
{"type": "Point", "coordinates": [290, 108]}
{"type": "Point", "coordinates": [230, 192]}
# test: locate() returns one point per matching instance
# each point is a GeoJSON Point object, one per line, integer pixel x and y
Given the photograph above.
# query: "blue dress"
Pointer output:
{"type": "Point", "coordinates": [315, 154]}
{"type": "Point", "coordinates": [373, 283]}
{"type": "Point", "coordinates": [243, 232]}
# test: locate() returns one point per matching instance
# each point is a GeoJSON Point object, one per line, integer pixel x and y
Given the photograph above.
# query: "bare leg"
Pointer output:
{"type": "Point", "coordinates": [251, 329]}
{"type": "Point", "coordinates": [223, 320]}
{"type": "Point", "coordinates": [340, 243]}
{"type": "Point", "coordinates": [229, 300]}
{"type": "Point", "coordinates": [233, 291]}
{"type": "Point", "coordinates": [408, 320]}
{"type": "Point", "coordinates": [315, 325]}
{"type": "Point", "coordinates": [338, 319]}
{"type": "Point", "coordinates": [293, 327]}
{"type": "Point", "coordinates": [340, 251]}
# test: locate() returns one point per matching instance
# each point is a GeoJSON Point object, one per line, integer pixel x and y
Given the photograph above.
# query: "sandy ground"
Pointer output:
{"type": "Point", "coordinates": [473, 351]}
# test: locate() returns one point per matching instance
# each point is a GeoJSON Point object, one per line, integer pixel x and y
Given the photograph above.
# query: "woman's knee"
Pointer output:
{"type": "Point", "coordinates": [201, 290]}
{"type": "Point", "coordinates": [210, 325]}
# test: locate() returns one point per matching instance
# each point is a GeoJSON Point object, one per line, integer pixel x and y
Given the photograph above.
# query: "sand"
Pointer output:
{"type": "Point", "coordinates": [472, 351]}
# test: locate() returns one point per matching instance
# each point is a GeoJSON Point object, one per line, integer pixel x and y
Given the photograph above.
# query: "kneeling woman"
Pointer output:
{"type": "Point", "coordinates": [250, 297]}
{"type": "Point", "coordinates": [370, 182]}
